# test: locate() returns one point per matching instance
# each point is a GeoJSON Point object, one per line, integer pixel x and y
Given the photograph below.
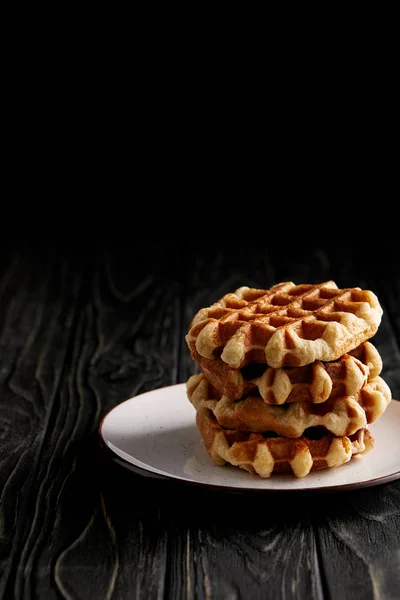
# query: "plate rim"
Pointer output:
{"type": "Point", "coordinates": [149, 474]}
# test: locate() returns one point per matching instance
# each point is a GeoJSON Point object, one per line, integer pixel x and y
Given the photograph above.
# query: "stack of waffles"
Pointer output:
{"type": "Point", "coordinates": [289, 381]}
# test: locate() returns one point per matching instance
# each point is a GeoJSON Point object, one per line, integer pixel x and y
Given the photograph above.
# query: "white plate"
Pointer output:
{"type": "Point", "coordinates": [155, 434]}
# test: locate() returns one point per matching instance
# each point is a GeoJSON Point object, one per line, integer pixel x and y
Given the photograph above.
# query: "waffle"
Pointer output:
{"type": "Point", "coordinates": [311, 383]}
{"type": "Point", "coordinates": [262, 456]}
{"type": "Point", "coordinates": [287, 326]}
{"type": "Point", "coordinates": [341, 416]}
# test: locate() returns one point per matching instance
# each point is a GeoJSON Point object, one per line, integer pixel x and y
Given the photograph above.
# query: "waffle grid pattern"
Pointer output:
{"type": "Point", "coordinates": [288, 325]}
{"type": "Point", "coordinates": [262, 456]}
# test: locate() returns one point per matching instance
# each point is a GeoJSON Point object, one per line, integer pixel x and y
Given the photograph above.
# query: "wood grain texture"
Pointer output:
{"type": "Point", "coordinates": [240, 546]}
{"type": "Point", "coordinates": [359, 535]}
{"type": "Point", "coordinates": [348, 531]}
{"type": "Point", "coordinates": [81, 332]}
{"type": "Point", "coordinates": [234, 549]}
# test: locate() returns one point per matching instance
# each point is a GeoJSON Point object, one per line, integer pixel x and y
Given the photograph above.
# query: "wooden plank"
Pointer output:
{"type": "Point", "coordinates": [359, 538]}
{"type": "Point", "coordinates": [242, 545]}
{"type": "Point", "coordinates": [80, 338]}
{"type": "Point", "coordinates": [76, 338]}
{"type": "Point", "coordinates": [25, 404]}
{"type": "Point", "coordinates": [358, 548]}
{"type": "Point", "coordinates": [217, 566]}
{"type": "Point", "coordinates": [228, 546]}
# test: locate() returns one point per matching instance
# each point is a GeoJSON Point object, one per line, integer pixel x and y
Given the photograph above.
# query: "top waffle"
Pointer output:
{"type": "Point", "coordinates": [287, 326]}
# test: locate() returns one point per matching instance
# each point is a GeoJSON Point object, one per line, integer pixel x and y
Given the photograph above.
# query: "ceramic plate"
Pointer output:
{"type": "Point", "coordinates": [155, 434]}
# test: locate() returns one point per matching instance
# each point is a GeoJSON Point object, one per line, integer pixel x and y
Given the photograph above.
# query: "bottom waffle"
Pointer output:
{"type": "Point", "coordinates": [262, 456]}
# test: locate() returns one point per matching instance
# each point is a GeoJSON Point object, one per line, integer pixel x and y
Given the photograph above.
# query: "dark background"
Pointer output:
{"type": "Point", "coordinates": [87, 321]}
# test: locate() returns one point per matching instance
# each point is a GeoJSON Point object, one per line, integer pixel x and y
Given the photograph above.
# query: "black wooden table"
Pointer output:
{"type": "Point", "coordinates": [81, 331]}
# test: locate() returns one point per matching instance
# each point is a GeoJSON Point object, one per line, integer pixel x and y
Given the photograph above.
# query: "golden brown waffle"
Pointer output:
{"type": "Point", "coordinates": [369, 355]}
{"type": "Point", "coordinates": [262, 456]}
{"type": "Point", "coordinates": [341, 416]}
{"type": "Point", "coordinates": [311, 383]}
{"type": "Point", "coordinates": [288, 325]}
